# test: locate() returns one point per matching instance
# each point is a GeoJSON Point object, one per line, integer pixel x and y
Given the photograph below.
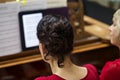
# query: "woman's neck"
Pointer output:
{"type": "Point", "coordinates": [68, 69]}
{"type": "Point", "coordinates": [67, 63]}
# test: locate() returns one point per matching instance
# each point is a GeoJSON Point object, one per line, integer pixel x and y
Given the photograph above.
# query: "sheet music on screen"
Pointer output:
{"type": "Point", "coordinates": [28, 25]}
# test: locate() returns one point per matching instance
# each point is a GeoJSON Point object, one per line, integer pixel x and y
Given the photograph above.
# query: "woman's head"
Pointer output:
{"type": "Point", "coordinates": [115, 29]}
{"type": "Point", "coordinates": [56, 34]}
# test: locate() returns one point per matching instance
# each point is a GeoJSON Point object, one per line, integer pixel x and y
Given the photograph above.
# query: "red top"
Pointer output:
{"type": "Point", "coordinates": [92, 74]}
{"type": "Point", "coordinates": [111, 70]}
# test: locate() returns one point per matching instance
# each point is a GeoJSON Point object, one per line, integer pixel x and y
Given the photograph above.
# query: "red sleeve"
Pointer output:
{"type": "Point", "coordinates": [52, 77]}
{"type": "Point", "coordinates": [92, 73]}
{"type": "Point", "coordinates": [111, 71]}
{"type": "Point", "coordinates": [41, 78]}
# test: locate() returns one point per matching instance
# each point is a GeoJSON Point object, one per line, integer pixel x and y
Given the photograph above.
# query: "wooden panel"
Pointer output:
{"type": "Point", "coordinates": [2, 1]}
{"type": "Point", "coordinates": [37, 57]}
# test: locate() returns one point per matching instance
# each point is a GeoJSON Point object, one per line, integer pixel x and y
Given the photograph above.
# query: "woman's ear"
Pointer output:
{"type": "Point", "coordinates": [42, 50]}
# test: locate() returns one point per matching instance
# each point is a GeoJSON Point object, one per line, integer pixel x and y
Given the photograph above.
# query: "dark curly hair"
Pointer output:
{"type": "Point", "coordinates": [56, 33]}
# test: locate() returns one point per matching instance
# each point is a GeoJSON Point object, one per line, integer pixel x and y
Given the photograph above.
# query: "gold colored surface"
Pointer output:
{"type": "Point", "coordinates": [97, 28]}
{"type": "Point", "coordinates": [2, 1]}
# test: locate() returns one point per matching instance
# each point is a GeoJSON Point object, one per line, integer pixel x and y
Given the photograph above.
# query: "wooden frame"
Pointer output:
{"type": "Point", "coordinates": [76, 12]}
{"type": "Point", "coordinates": [2, 1]}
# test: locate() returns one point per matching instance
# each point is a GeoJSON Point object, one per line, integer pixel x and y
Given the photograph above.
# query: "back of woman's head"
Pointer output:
{"type": "Point", "coordinates": [56, 34]}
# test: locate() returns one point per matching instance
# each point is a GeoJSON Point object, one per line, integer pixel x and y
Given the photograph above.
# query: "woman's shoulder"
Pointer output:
{"type": "Point", "coordinates": [111, 70]}
{"type": "Point", "coordinates": [90, 67]}
{"type": "Point", "coordinates": [92, 72]}
{"type": "Point", "coordinates": [51, 77]}
{"type": "Point", "coordinates": [117, 61]}
{"type": "Point", "coordinates": [41, 78]}
{"type": "Point", "coordinates": [110, 65]}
